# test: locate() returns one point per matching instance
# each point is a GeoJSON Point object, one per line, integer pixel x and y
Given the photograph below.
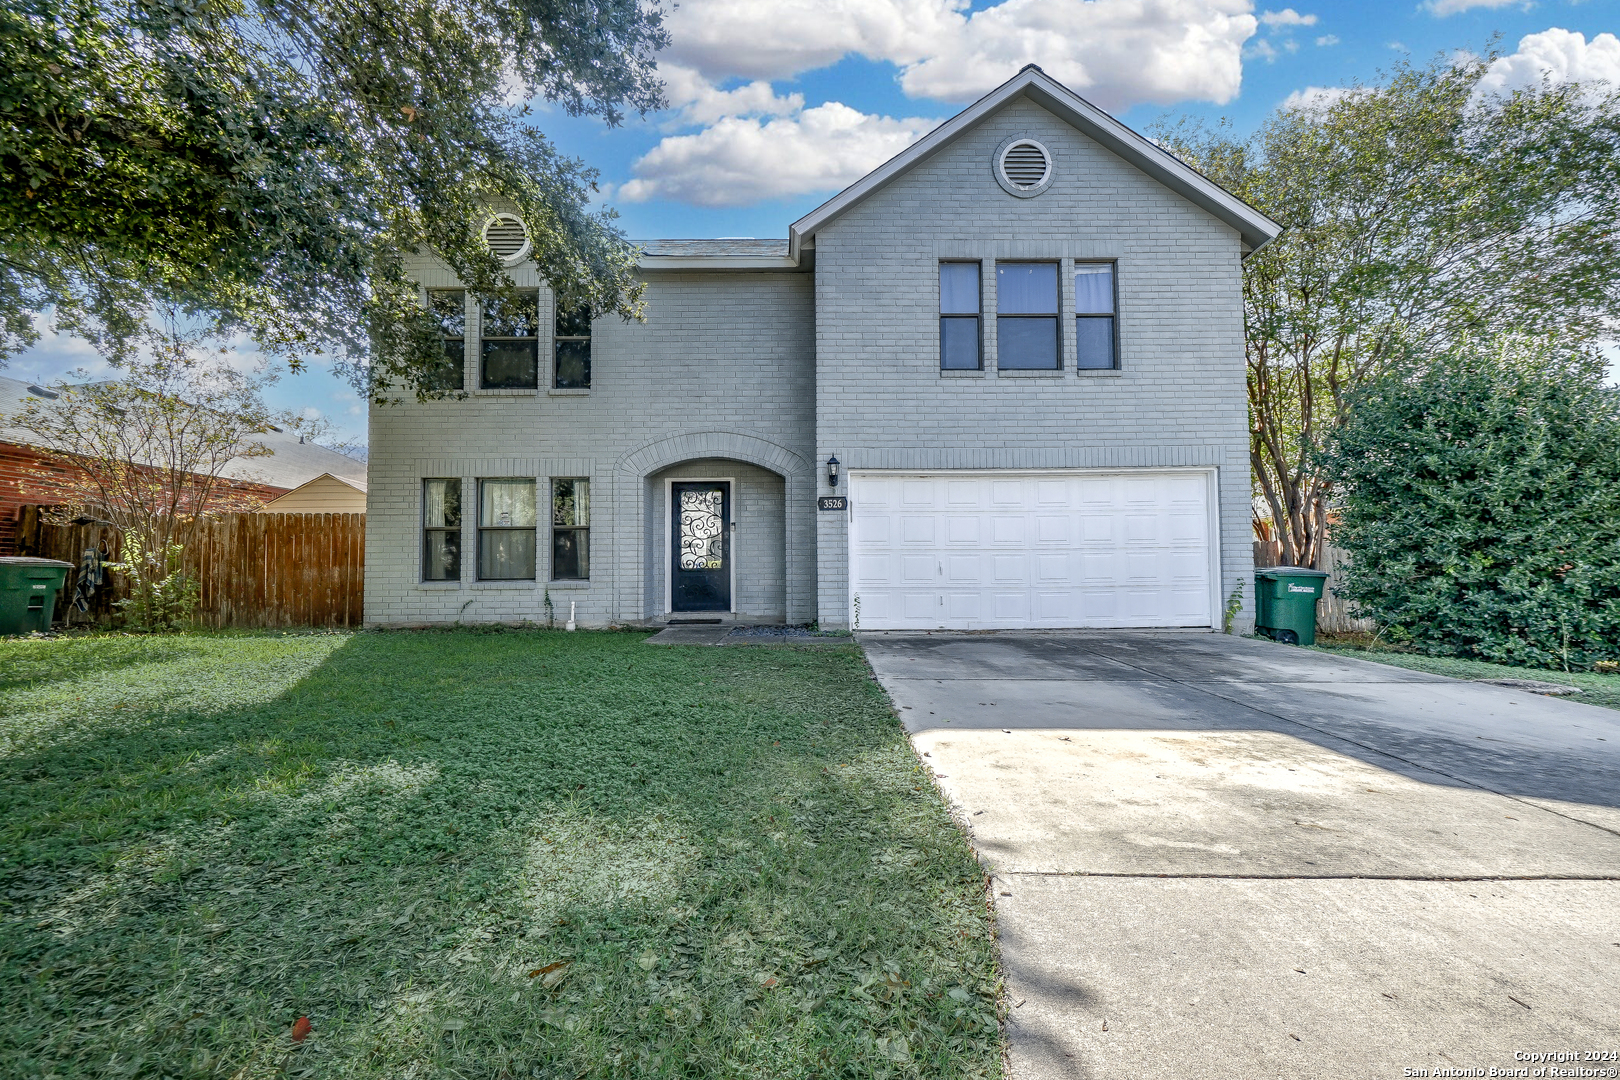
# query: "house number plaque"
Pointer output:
{"type": "Point", "coordinates": [832, 502]}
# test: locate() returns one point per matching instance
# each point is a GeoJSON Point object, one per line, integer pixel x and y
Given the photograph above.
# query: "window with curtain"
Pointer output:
{"type": "Point", "coordinates": [1094, 315]}
{"type": "Point", "coordinates": [506, 530]}
{"type": "Point", "coordinates": [449, 307]}
{"type": "Point", "coordinates": [511, 342]}
{"type": "Point", "coordinates": [570, 530]}
{"type": "Point", "coordinates": [960, 344]}
{"type": "Point", "coordinates": [441, 530]}
{"type": "Point", "coordinates": [1027, 316]}
{"type": "Point", "coordinates": [573, 348]}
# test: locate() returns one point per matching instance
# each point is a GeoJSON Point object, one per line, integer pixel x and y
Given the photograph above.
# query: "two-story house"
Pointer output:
{"type": "Point", "coordinates": [997, 383]}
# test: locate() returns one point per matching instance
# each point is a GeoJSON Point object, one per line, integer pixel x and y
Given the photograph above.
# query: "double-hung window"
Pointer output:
{"type": "Point", "coordinates": [1027, 316]}
{"type": "Point", "coordinates": [1094, 315]}
{"type": "Point", "coordinates": [570, 530]}
{"type": "Point", "coordinates": [449, 307]}
{"type": "Point", "coordinates": [441, 530]}
{"type": "Point", "coordinates": [506, 530]}
{"type": "Point", "coordinates": [960, 347]}
{"type": "Point", "coordinates": [573, 348]}
{"type": "Point", "coordinates": [511, 342]}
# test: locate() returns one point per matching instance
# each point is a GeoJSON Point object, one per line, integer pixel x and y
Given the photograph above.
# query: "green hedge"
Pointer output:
{"type": "Point", "coordinates": [1479, 499]}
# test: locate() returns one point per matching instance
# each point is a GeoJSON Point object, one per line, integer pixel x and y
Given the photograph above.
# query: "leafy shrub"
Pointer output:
{"type": "Point", "coordinates": [1479, 498]}
{"type": "Point", "coordinates": [162, 595]}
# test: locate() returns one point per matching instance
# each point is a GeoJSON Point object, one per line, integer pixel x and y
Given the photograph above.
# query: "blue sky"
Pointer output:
{"type": "Point", "coordinates": [776, 104]}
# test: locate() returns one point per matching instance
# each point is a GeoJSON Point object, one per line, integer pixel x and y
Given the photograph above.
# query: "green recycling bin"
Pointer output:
{"type": "Point", "coordinates": [1285, 603]}
{"type": "Point", "coordinates": [28, 589]}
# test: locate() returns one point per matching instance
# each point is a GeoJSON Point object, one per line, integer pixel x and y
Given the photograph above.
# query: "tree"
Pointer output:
{"type": "Point", "coordinates": [1480, 503]}
{"type": "Point", "coordinates": [271, 168]}
{"type": "Point", "coordinates": [147, 453]}
{"type": "Point", "coordinates": [1416, 212]}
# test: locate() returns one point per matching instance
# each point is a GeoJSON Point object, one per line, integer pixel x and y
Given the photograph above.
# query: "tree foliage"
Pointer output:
{"type": "Point", "coordinates": [1417, 212]}
{"type": "Point", "coordinates": [270, 166]}
{"type": "Point", "coordinates": [1480, 503]}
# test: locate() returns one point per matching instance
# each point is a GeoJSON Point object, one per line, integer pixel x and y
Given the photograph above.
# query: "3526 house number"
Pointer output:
{"type": "Point", "coordinates": [832, 502]}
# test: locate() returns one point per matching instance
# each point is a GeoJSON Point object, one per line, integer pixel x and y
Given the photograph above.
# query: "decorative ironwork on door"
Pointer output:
{"type": "Point", "coordinates": [702, 530]}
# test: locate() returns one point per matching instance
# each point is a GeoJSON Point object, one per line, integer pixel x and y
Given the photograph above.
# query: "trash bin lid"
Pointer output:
{"type": "Point", "coordinates": [1289, 571]}
{"type": "Point", "coordinates": [29, 560]}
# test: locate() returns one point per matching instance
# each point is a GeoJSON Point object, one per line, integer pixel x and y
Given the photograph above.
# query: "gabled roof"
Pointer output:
{"type": "Point", "coordinates": [1254, 227]}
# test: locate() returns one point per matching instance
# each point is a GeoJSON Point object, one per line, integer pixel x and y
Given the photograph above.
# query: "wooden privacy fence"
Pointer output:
{"type": "Point", "coordinates": [255, 569]}
{"type": "Point", "coordinates": [1332, 613]}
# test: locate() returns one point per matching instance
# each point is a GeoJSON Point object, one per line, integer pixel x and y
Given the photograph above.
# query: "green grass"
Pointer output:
{"type": "Point", "coordinates": [721, 862]}
{"type": "Point", "coordinates": [1595, 689]}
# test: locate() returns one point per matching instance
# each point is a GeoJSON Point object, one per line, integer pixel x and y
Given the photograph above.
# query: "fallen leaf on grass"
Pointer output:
{"type": "Point", "coordinates": [648, 960]}
{"type": "Point", "coordinates": [452, 1025]}
{"type": "Point", "coordinates": [301, 1029]}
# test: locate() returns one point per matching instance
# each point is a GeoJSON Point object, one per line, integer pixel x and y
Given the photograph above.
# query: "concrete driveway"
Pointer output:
{"type": "Point", "coordinates": [1221, 857]}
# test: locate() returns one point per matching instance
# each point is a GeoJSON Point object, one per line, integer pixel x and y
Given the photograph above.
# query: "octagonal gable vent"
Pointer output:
{"type": "Point", "coordinates": [1023, 167]}
{"type": "Point", "coordinates": [507, 238]}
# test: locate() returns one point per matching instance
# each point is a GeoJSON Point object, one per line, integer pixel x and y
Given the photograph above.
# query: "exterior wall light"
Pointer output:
{"type": "Point", "coordinates": [832, 472]}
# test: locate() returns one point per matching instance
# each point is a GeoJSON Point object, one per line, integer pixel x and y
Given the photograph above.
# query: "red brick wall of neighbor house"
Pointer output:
{"type": "Point", "coordinates": [24, 481]}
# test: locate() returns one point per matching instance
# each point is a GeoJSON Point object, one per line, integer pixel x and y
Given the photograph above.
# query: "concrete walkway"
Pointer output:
{"type": "Point", "coordinates": [1220, 857]}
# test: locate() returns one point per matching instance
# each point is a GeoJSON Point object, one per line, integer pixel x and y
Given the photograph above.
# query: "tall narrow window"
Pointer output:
{"type": "Point", "coordinates": [959, 340]}
{"type": "Point", "coordinates": [1094, 315]}
{"type": "Point", "coordinates": [441, 530]}
{"type": "Point", "coordinates": [573, 335]}
{"type": "Point", "coordinates": [511, 342]}
{"type": "Point", "coordinates": [449, 306]}
{"type": "Point", "coordinates": [1027, 316]}
{"type": "Point", "coordinates": [570, 530]}
{"type": "Point", "coordinates": [506, 528]}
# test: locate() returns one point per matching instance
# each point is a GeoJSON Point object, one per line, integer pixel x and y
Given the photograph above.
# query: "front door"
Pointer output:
{"type": "Point", "coordinates": [700, 565]}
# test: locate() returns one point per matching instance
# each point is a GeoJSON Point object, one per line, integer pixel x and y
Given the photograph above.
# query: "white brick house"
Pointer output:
{"type": "Point", "coordinates": [1021, 339]}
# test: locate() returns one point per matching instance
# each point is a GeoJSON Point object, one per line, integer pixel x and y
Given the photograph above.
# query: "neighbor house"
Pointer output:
{"type": "Point", "coordinates": [30, 475]}
{"type": "Point", "coordinates": [997, 383]}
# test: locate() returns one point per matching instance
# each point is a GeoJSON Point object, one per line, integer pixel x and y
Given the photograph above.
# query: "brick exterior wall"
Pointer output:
{"type": "Point", "coordinates": [25, 480]}
{"type": "Point", "coordinates": [1178, 399]}
{"type": "Point", "coordinates": [721, 371]}
{"type": "Point", "coordinates": [777, 371]}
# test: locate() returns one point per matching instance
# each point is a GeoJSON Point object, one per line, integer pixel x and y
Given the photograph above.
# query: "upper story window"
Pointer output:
{"type": "Point", "coordinates": [1094, 315]}
{"type": "Point", "coordinates": [441, 530]}
{"type": "Point", "coordinates": [449, 307]}
{"type": "Point", "coordinates": [960, 342]}
{"type": "Point", "coordinates": [506, 530]}
{"type": "Point", "coordinates": [573, 337]}
{"type": "Point", "coordinates": [511, 342]}
{"type": "Point", "coordinates": [1027, 316]}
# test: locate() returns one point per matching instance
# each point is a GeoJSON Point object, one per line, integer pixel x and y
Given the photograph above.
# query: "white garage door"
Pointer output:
{"type": "Point", "coordinates": [972, 551]}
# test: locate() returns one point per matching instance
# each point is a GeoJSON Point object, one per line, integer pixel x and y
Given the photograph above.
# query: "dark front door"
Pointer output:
{"type": "Point", "coordinates": [701, 562]}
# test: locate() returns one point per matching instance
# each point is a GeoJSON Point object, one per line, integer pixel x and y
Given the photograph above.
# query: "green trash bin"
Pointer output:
{"type": "Point", "coordinates": [1285, 603]}
{"type": "Point", "coordinates": [28, 589]}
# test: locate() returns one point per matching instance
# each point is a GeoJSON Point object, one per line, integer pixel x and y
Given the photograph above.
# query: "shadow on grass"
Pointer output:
{"type": "Point", "coordinates": [480, 854]}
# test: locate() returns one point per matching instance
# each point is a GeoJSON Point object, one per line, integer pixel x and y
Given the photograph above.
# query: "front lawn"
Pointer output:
{"type": "Point", "coordinates": [1595, 689]}
{"type": "Point", "coordinates": [469, 854]}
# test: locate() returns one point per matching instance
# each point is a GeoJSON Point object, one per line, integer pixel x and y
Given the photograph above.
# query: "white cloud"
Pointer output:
{"type": "Point", "coordinates": [740, 160]}
{"type": "Point", "coordinates": [1442, 8]}
{"type": "Point", "coordinates": [701, 102]}
{"type": "Point", "coordinates": [1117, 52]}
{"type": "Point", "coordinates": [1261, 49]}
{"type": "Point", "coordinates": [1327, 39]}
{"type": "Point", "coordinates": [1317, 98]}
{"type": "Point", "coordinates": [1559, 56]}
{"type": "Point", "coordinates": [1287, 17]}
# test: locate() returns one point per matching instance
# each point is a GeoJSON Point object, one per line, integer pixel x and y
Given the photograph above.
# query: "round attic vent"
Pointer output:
{"type": "Point", "coordinates": [507, 238]}
{"type": "Point", "coordinates": [1023, 167]}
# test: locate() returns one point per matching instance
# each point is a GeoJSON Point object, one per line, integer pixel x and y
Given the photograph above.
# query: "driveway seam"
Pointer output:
{"type": "Point", "coordinates": [1004, 874]}
{"type": "Point", "coordinates": [1372, 749]}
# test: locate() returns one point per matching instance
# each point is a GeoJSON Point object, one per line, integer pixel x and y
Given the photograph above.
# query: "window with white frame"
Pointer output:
{"type": "Point", "coordinates": [570, 529]}
{"type": "Point", "coordinates": [510, 340]}
{"type": "Point", "coordinates": [573, 348]}
{"type": "Point", "coordinates": [449, 307]}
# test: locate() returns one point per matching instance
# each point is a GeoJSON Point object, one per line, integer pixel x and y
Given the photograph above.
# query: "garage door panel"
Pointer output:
{"type": "Point", "coordinates": [957, 550]}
